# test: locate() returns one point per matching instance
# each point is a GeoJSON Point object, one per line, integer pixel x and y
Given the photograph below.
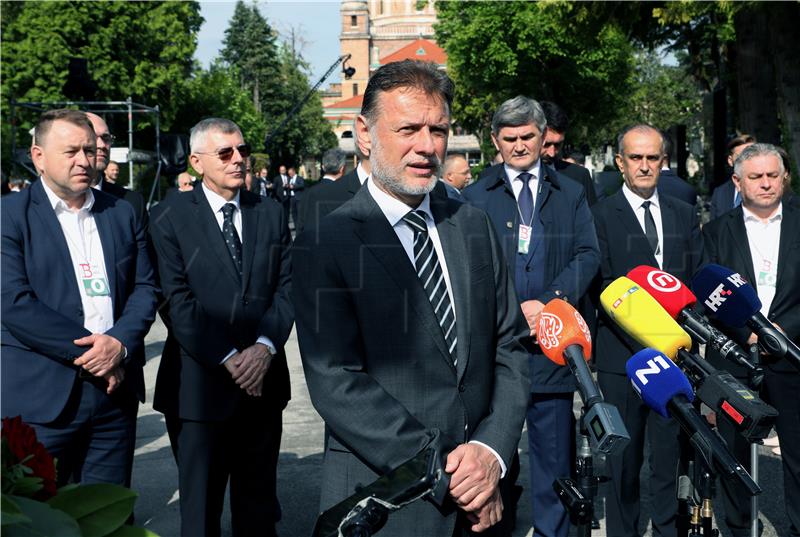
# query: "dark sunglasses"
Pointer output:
{"type": "Point", "coordinates": [225, 153]}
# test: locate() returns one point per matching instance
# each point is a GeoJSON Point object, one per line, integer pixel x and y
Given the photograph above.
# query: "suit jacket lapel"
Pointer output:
{"type": "Point", "coordinates": [455, 253]}
{"type": "Point", "coordinates": [790, 230]}
{"type": "Point", "coordinates": [634, 231]}
{"type": "Point", "coordinates": [250, 228]}
{"type": "Point", "coordinates": [739, 242]}
{"type": "Point", "coordinates": [42, 207]}
{"type": "Point", "coordinates": [106, 230]}
{"type": "Point", "coordinates": [380, 240]}
{"type": "Point", "coordinates": [210, 230]}
{"type": "Point", "coordinates": [542, 194]}
{"type": "Point", "coordinates": [669, 228]}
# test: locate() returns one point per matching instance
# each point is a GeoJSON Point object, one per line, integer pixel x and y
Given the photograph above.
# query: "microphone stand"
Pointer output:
{"type": "Point", "coordinates": [755, 385]}
{"type": "Point", "coordinates": [578, 497]}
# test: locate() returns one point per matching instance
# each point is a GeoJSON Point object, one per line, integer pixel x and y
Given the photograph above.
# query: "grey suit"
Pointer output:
{"type": "Point", "coordinates": [375, 359]}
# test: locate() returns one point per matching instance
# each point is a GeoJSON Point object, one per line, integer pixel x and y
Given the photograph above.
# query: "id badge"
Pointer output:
{"type": "Point", "coordinates": [524, 242]}
{"type": "Point", "coordinates": [94, 282]}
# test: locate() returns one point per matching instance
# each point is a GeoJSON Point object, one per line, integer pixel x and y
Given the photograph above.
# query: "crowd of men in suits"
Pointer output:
{"type": "Point", "coordinates": [416, 298]}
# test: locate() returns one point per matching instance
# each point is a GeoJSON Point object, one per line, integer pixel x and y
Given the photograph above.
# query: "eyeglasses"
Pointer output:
{"type": "Point", "coordinates": [225, 153]}
{"type": "Point", "coordinates": [108, 138]}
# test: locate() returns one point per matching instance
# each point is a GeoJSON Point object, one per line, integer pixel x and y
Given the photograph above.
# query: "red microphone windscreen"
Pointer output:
{"type": "Point", "coordinates": [668, 290]}
{"type": "Point", "coordinates": [560, 325]}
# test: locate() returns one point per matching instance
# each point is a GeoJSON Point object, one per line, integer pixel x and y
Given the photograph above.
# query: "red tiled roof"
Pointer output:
{"type": "Point", "coordinates": [421, 49]}
{"type": "Point", "coordinates": [352, 102]}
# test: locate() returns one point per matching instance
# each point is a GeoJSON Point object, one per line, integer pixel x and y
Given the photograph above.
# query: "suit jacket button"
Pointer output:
{"type": "Point", "coordinates": [462, 388]}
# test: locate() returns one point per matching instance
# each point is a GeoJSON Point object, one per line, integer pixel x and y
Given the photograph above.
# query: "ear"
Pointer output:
{"type": "Point", "coordinates": [38, 158]}
{"type": "Point", "coordinates": [196, 164]}
{"type": "Point", "coordinates": [737, 182]}
{"type": "Point", "coordinates": [618, 160]}
{"type": "Point", "coordinates": [363, 138]}
{"type": "Point", "coordinates": [494, 141]}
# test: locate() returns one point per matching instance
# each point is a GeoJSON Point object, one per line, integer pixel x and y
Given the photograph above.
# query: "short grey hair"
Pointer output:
{"type": "Point", "coordinates": [519, 111]}
{"type": "Point", "coordinates": [333, 160]}
{"type": "Point", "coordinates": [639, 127]}
{"type": "Point", "coordinates": [197, 135]}
{"type": "Point", "coordinates": [753, 151]}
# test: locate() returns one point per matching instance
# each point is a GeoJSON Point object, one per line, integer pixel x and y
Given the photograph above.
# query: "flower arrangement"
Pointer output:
{"type": "Point", "coordinates": [32, 505]}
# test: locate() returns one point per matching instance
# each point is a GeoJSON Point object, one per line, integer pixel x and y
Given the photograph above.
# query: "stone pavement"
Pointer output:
{"type": "Point", "coordinates": [155, 474]}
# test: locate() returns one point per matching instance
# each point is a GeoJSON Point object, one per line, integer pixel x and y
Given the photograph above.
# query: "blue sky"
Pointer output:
{"type": "Point", "coordinates": [315, 22]}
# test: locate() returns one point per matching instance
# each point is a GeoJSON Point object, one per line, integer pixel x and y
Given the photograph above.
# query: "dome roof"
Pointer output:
{"type": "Point", "coordinates": [354, 5]}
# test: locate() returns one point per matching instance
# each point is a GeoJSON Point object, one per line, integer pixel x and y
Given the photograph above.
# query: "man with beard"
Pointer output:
{"type": "Point", "coordinates": [408, 325]}
{"type": "Point", "coordinates": [104, 141]}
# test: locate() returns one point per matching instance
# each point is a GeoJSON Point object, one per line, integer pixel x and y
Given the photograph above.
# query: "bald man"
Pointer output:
{"type": "Point", "coordinates": [456, 176]}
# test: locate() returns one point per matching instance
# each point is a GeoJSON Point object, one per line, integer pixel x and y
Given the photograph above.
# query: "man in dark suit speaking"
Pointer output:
{"type": "Point", "coordinates": [223, 262]}
{"type": "Point", "coordinates": [78, 298]}
{"type": "Point", "coordinates": [408, 325]}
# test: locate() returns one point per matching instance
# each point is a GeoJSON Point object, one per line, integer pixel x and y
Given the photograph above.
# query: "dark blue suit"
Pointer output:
{"type": "Point", "coordinates": [562, 259]}
{"type": "Point", "coordinates": [42, 315]}
{"type": "Point", "coordinates": [671, 184]}
{"type": "Point", "coordinates": [722, 199]}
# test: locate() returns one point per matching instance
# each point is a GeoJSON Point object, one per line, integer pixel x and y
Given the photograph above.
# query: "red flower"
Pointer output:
{"type": "Point", "coordinates": [22, 442]}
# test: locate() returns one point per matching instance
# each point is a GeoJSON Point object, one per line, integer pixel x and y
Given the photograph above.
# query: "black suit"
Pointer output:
{"type": "Point", "coordinates": [134, 198]}
{"type": "Point", "coordinates": [722, 199]}
{"type": "Point", "coordinates": [325, 198]}
{"type": "Point", "coordinates": [623, 246]}
{"type": "Point", "coordinates": [580, 175]}
{"type": "Point", "coordinates": [670, 184]}
{"type": "Point", "coordinates": [375, 358]}
{"type": "Point", "coordinates": [726, 244]}
{"type": "Point", "coordinates": [215, 428]}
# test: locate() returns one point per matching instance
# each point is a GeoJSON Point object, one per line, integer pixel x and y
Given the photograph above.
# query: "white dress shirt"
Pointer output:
{"type": "Point", "coordinates": [88, 262]}
{"type": "Point", "coordinates": [533, 182]}
{"type": "Point", "coordinates": [362, 173]}
{"type": "Point", "coordinates": [217, 202]}
{"type": "Point", "coordinates": [764, 239]}
{"type": "Point", "coordinates": [635, 201]}
{"type": "Point", "coordinates": [394, 210]}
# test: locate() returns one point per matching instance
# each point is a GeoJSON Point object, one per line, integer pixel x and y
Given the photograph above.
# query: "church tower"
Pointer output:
{"type": "Point", "coordinates": [354, 40]}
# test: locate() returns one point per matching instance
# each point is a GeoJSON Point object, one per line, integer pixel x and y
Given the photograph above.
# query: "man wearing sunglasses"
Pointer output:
{"type": "Point", "coordinates": [104, 142]}
{"type": "Point", "coordinates": [223, 259]}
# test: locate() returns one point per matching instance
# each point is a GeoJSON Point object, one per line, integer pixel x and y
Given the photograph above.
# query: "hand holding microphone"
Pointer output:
{"type": "Point", "coordinates": [564, 338]}
{"type": "Point", "coordinates": [666, 390]}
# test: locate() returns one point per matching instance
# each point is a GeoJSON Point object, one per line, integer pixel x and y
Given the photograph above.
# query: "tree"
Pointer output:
{"type": "Point", "coordinates": [138, 49]}
{"type": "Point", "coordinates": [559, 51]}
{"type": "Point", "coordinates": [216, 93]}
{"type": "Point", "coordinates": [275, 76]}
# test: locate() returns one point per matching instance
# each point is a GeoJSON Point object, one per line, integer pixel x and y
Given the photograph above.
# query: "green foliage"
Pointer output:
{"type": "Point", "coordinates": [138, 49]}
{"type": "Point", "coordinates": [216, 93]}
{"type": "Point", "coordinates": [572, 53]}
{"type": "Point", "coordinates": [276, 80]}
{"type": "Point", "coordinates": [99, 509]}
{"type": "Point", "coordinates": [40, 519]}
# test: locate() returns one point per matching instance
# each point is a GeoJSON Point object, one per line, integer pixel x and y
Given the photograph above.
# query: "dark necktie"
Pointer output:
{"type": "Point", "coordinates": [650, 227]}
{"type": "Point", "coordinates": [525, 200]}
{"type": "Point", "coordinates": [231, 237]}
{"type": "Point", "coordinates": [430, 274]}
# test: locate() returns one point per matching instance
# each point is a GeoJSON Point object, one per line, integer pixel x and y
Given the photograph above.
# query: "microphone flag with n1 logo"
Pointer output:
{"type": "Point", "coordinates": [657, 379]}
{"type": "Point", "coordinates": [726, 295]}
{"type": "Point", "coordinates": [560, 325]}
{"type": "Point", "coordinates": [668, 290]}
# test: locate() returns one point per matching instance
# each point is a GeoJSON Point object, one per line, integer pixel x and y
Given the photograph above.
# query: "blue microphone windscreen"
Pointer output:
{"type": "Point", "coordinates": [726, 295]}
{"type": "Point", "coordinates": [657, 379]}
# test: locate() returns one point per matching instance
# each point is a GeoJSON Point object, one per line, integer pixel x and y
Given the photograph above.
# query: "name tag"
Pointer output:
{"type": "Point", "coordinates": [94, 281]}
{"type": "Point", "coordinates": [768, 275]}
{"type": "Point", "coordinates": [524, 241]}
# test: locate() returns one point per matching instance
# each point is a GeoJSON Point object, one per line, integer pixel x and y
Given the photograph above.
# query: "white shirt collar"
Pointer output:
{"type": "Point", "coordinates": [636, 201]}
{"type": "Point", "coordinates": [750, 216]}
{"type": "Point", "coordinates": [362, 173]}
{"type": "Point", "coordinates": [393, 208]}
{"type": "Point", "coordinates": [216, 201]}
{"type": "Point", "coordinates": [534, 170]}
{"type": "Point", "coordinates": [60, 205]}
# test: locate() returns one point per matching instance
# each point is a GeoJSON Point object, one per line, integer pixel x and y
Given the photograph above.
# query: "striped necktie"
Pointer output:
{"type": "Point", "coordinates": [430, 274]}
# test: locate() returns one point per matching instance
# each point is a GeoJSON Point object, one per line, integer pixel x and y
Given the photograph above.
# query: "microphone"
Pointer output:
{"type": "Point", "coordinates": [564, 338]}
{"type": "Point", "coordinates": [666, 390]}
{"type": "Point", "coordinates": [643, 318]}
{"type": "Point", "coordinates": [734, 302]}
{"type": "Point", "coordinates": [678, 300]}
